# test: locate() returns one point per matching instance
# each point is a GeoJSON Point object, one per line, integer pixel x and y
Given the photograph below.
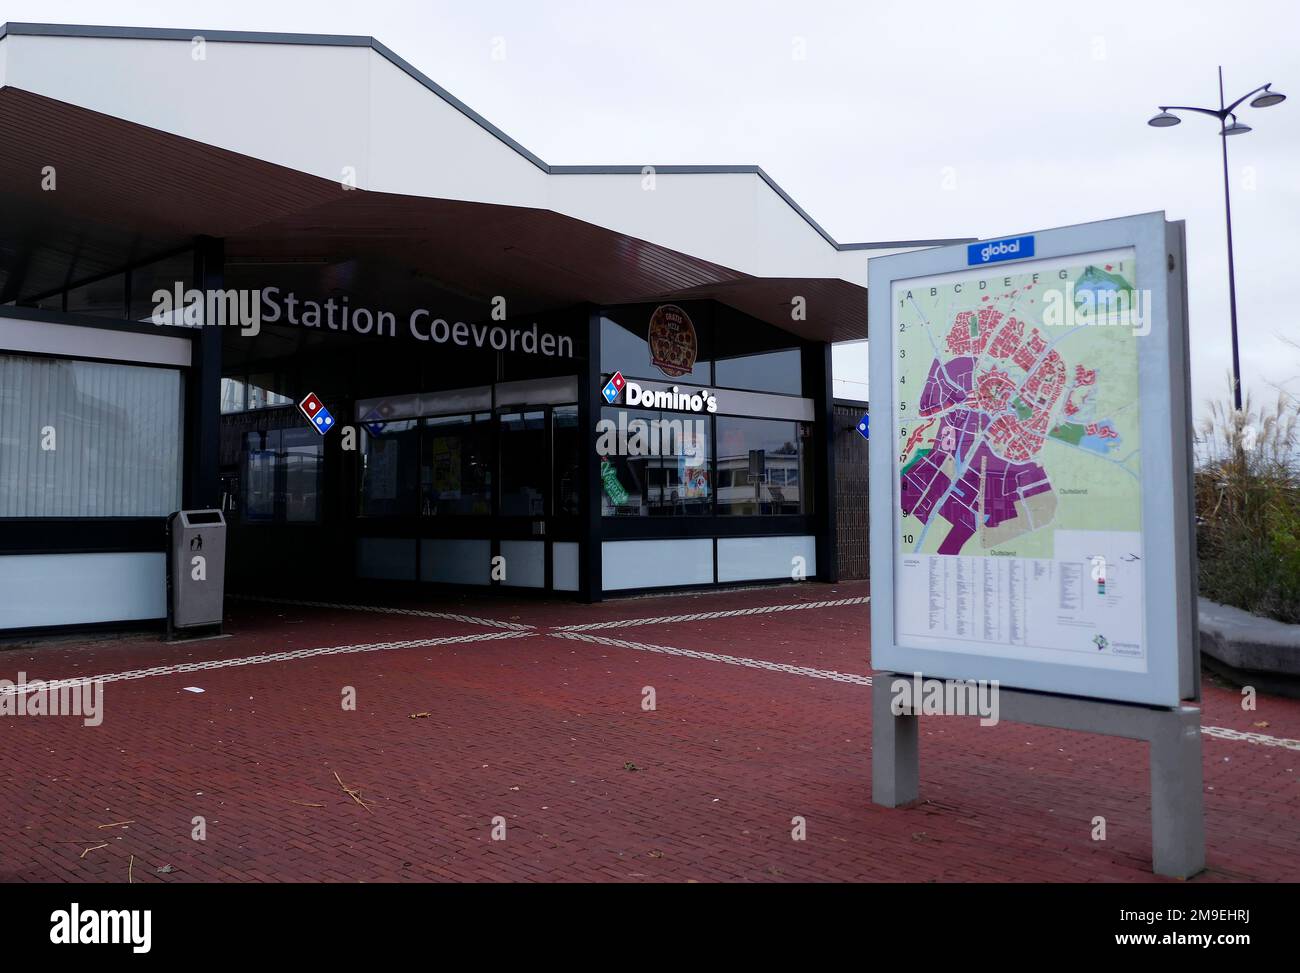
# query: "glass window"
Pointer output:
{"type": "Point", "coordinates": [390, 464]}
{"type": "Point", "coordinates": [754, 355]}
{"type": "Point", "coordinates": [625, 345]}
{"type": "Point", "coordinates": [456, 471]}
{"type": "Point", "coordinates": [525, 464]}
{"type": "Point", "coordinates": [232, 396]}
{"type": "Point", "coordinates": [567, 443]}
{"type": "Point", "coordinates": [654, 464]}
{"type": "Point", "coordinates": [164, 275]}
{"type": "Point", "coordinates": [768, 371]}
{"type": "Point", "coordinates": [262, 392]}
{"type": "Point", "coordinates": [259, 476]}
{"type": "Point", "coordinates": [765, 466]}
{"type": "Point", "coordinates": [282, 476]}
{"type": "Point", "coordinates": [301, 454]}
{"type": "Point", "coordinates": [102, 298]}
{"type": "Point", "coordinates": [88, 439]}
{"type": "Point", "coordinates": [50, 302]}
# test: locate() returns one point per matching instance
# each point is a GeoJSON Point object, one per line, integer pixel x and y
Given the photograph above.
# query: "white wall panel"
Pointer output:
{"type": "Point", "coordinates": [50, 338]}
{"type": "Point", "coordinates": [321, 109]}
{"type": "Point", "coordinates": [764, 558]}
{"type": "Point", "coordinates": [296, 105]}
{"type": "Point", "coordinates": [564, 566]}
{"type": "Point", "coordinates": [525, 564]}
{"type": "Point", "coordinates": [421, 145]}
{"type": "Point", "coordinates": [656, 564]}
{"type": "Point", "coordinates": [80, 589]}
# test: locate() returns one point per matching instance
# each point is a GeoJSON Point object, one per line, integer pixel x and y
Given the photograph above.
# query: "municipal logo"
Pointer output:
{"type": "Point", "coordinates": [613, 387]}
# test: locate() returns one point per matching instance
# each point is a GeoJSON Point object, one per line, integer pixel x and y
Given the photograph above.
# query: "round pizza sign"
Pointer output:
{"type": "Point", "coordinates": [673, 345]}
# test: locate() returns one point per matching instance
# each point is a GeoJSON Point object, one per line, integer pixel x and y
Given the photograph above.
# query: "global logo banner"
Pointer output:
{"type": "Point", "coordinates": [991, 251]}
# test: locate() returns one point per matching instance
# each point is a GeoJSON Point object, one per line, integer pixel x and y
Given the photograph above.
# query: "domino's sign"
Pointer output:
{"type": "Point", "coordinates": [319, 416]}
{"type": "Point", "coordinates": [613, 387]}
{"type": "Point", "coordinates": [673, 399]}
{"type": "Point", "coordinates": [992, 251]}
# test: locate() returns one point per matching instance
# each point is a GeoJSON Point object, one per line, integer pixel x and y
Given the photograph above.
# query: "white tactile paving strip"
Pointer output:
{"type": "Point", "coordinates": [731, 660]}
{"type": "Point", "coordinates": [1218, 732]}
{"type": "Point", "coordinates": [257, 660]}
{"type": "Point", "coordinates": [1242, 736]}
{"type": "Point", "coordinates": [385, 610]}
{"type": "Point", "coordinates": [578, 633]}
{"type": "Point", "coordinates": [709, 616]}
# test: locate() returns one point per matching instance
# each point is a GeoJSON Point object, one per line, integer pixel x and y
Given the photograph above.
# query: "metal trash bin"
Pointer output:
{"type": "Point", "coordinates": [196, 569]}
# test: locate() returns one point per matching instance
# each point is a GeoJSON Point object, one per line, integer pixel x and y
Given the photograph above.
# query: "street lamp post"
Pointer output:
{"type": "Point", "coordinates": [1265, 97]}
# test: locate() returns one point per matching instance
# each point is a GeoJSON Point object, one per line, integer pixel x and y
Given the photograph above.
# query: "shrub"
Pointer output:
{"type": "Point", "coordinates": [1248, 507]}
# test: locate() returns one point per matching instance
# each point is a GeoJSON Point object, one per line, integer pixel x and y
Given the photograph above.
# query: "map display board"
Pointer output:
{"type": "Point", "coordinates": [1019, 462]}
{"type": "Point", "coordinates": [1029, 382]}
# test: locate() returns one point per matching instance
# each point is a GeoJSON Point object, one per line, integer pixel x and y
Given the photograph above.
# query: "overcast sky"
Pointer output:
{"type": "Point", "coordinates": [901, 119]}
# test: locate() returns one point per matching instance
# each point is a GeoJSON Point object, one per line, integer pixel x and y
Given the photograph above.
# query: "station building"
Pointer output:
{"type": "Point", "coordinates": [200, 230]}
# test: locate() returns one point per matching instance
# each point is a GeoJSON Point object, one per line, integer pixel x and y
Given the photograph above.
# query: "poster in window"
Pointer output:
{"type": "Point", "coordinates": [381, 469]}
{"type": "Point", "coordinates": [613, 488]}
{"type": "Point", "coordinates": [692, 464]}
{"type": "Point", "coordinates": [445, 464]}
{"type": "Point", "coordinates": [673, 345]}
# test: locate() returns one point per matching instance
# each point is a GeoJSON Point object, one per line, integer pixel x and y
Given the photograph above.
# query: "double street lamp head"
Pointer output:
{"type": "Point", "coordinates": [1265, 97]}
{"type": "Point", "coordinates": [1262, 97]}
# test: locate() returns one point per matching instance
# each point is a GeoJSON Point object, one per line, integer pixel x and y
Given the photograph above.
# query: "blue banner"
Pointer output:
{"type": "Point", "coordinates": [991, 251]}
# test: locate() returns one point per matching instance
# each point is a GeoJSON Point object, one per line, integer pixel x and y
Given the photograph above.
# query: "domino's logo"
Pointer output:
{"type": "Point", "coordinates": [613, 387]}
{"type": "Point", "coordinates": [316, 413]}
{"type": "Point", "coordinates": [1012, 248]}
{"type": "Point", "coordinates": [376, 420]}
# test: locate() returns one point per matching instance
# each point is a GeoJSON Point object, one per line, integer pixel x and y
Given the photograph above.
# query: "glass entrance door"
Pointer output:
{"type": "Point", "coordinates": [525, 455]}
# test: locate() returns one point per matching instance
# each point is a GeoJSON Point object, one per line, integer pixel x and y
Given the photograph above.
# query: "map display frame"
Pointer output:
{"type": "Point", "coordinates": [1031, 465]}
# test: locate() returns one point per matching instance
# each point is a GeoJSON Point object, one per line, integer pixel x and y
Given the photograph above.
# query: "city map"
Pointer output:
{"type": "Point", "coordinates": [1018, 479]}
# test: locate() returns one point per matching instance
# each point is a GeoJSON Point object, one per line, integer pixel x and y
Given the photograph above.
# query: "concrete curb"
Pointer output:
{"type": "Point", "coordinates": [1246, 643]}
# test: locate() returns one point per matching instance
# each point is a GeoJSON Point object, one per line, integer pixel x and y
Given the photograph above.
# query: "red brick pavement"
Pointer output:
{"type": "Point", "coordinates": [540, 731]}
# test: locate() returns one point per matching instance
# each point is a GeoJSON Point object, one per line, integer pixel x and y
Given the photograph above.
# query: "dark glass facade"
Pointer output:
{"type": "Point", "coordinates": [463, 454]}
{"type": "Point", "coordinates": [655, 464]}
{"type": "Point", "coordinates": [733, 350]}
{"type": "Point", "coordinates": [764, 467]}
{"type": "Point", "coordinates": [732, 465]}
{"type": "Point", "coordinates": [456, 468]}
